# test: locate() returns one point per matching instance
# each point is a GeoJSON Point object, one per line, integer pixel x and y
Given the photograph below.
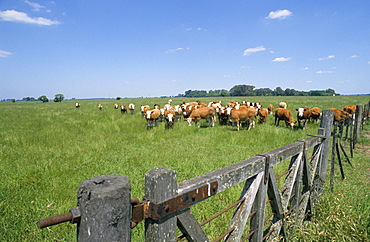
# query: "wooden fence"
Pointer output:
{"type": "Point", "coordinates": [263, 211]}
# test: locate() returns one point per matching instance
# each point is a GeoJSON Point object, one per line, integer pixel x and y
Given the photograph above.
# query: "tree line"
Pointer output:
{"type": "Point", "coordinates": [249, 90]}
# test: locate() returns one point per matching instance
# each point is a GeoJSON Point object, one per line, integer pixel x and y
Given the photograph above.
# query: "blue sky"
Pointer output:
{"type": "Point", "coordinates": [120, 48]}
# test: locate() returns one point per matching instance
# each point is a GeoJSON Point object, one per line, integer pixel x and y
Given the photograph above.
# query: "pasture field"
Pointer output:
{"type": "Point", "coordinates": [48, 149]}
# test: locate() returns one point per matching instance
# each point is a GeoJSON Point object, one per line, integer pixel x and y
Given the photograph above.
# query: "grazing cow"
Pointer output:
{"type": "Point", "coordinates": [283, 105]}
{"type": "Point", "coordinates": [100, 106]}
{"type": "Point", "coordinates": [286, 115]}
{"type": "Point", "coordinates": [131, 107]}
{"type": "Point", "coordinates": [302, 116]}
{"type": "Point", "coordinates": [208, 113]}
{"type": "Point", "coordinates": [242, 115]}
{"type": "Point", "coordinates": [315, 114]}
{"type": "Point", "coordinates": [123, 109]}
{"type": "Point", "coordinates": [262, 113]}
{"type": "Point", "coordinates": [115, 106]}
{"type": "Point", "coordinates": [143, 109]}
{"type": "Point", "coordinates": [339, 115]}
{"type": "Point", "coordinates": [351, 109]}
{"type": "Point", "coordinates": [188, 109]}
{"type": "Point", "coordinates": [223, 117]}
{"type": "Point", "coordinates": [178, 112]}
{"type": "Point", "coordinates": [78, 105]}
{"type": "Point", "coordinates": [169, 116]}
{"type": "Point", "coordinates": [270, 107]}
{"type": "Point", "coordinates": [152, 117]}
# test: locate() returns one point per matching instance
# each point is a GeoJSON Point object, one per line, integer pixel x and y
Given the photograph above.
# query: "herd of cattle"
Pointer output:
{"type": "Point", "coordinates": [233, 112]}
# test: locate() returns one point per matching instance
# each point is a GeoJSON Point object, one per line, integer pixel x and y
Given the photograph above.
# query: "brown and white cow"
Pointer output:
{"type": "Point", "coordinates": [123, 109]}
{"type": "Point", "coordinates": [78, 105]}
{"type": "Point", "coordinates": [143, 109]}
{"type": "Point", "coordinates": [208, 113]}
{"type": "Point", "coordinates": [262, 114]}
{"type": "Point", "coordinates": [302, 116]}
{"type": "Point", "coordinates": [339, 115]}
{"type": "Point", "coordinates": [115, 106]}
{"type": "Point", "coordinates": [270, 107]}
{"type": "Point", "coordinates": [131, 107]}
{"type": "Point", "coordinates": [315, 114]}
{"type": "Point", "coordinates": [223, 117]}
{"type": "Point", "coordinates": [283, 105]}
{"type": "Point", "coordinates": [152, 117]}
{"type": "Point", "coordinates": [285, 115]}
{"type": "Point", "coordinates": [237, 116]}
{"type": "Point", "coordinates": [170, 117]}
{"type": "Point", "coordinates": [100, 106]}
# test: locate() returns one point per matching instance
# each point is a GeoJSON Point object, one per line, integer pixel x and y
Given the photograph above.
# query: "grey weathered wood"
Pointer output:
{"type": "Point", "coordinates": [189, 226]}
{"type": "Point", "coordinates": [242, 212]}
{"type": "Point", "coordinates": [358, 121]}
{"type": "Point", "coordinates": [160, 184]}
{"type": "Point", "coordinates": [104, 203]}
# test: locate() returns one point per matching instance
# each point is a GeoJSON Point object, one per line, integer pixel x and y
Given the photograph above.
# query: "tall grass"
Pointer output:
{"type": "Point", "coordinates": [48, 149]}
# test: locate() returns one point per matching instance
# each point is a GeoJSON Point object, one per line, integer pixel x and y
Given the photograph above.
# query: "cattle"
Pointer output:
{"type": "Point", "coordinates": [169, 116]}
{"type": "Point", "coordinates": [157, 106]}
{"type": "Point", "coordinates": [187, 110]}
{"type": "Point", "coordinates": [115, 106]}
{"type": "Point", "coordinates": [78, 105]}
{"type": "Point", "coordinates": [123, 109]}
{"type": "Point", "coordinates": [270, 107]}
{"type": "Point", "coordinates": [223, 117]}
{"type": "Point", "coordinates": [178, 112]}
{"type": "Point", "coordinates": [100, 106]}
{"type": "Point", "coordinates": [152, 117]}
{"type": "Point", "coordinates": [167, 106]}
{"type": "Point", "coordinates": [208, 113]}
{"type": "Point", "coordinates": [283, 105]}
{"type": "Point", "coordinates": [143, 109]}
{"type": "Point", "coordinates": [315, 114]}
{"type": "Point", "coordinates": [351, 109]}
{"type": "Point", "coordinates": [285, 115]}
{"type": "Point", "coordinates": [339, 115]}
{"type": "Point", "coordinates": [262, 114]}
{"type": "Point", "coordinates": [242, 115]}
{"type": "Point", "coordinates": [131, 107]}
{"type": "Point", "coordinates": [302, 116]}
{"type": "Point", "coordinates": [215, 105]}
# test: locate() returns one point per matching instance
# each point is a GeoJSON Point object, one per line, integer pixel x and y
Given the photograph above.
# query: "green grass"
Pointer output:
{"type": "Point", "coordinates": [48, 149]}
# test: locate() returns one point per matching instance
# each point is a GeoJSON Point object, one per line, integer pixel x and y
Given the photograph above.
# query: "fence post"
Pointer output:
{"type": "Point", "coordinates": [160, 184]}
{"type": "Point", "coordinates": [358, 120]}
{"type": "Point", "coordinates": [105, 206]}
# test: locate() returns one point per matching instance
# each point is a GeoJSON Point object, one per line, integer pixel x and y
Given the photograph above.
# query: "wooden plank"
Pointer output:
{"type": "Point", "coordinates": [160, 184]}
{"type": "Point", "coordinates": [242, 212]}
{"type": "Point", "coordinates": [190, 227]}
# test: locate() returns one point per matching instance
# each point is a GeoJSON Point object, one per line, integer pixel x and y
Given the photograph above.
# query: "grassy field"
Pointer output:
{"type": "Point", "coordinates": [48, 149]}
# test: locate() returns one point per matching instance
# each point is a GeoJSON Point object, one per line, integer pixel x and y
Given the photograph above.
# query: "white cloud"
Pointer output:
{"type": "Point", "coordinates": [368, 62]}
{"type": "Point", "coordinates": [327, 58]}
{"type": "Point", "coordinates": [177, 49]}
{"type": "Point", "coordinates": [279, 14]}
{"type": "Point", "coordinates": [354, 56]}
{"type": "Point", "coordinates": [253, 50]}
{"type": "Point", "coordinates": [306, 68]}
{"type": "Point", "coordinates": [280, 59]}
{"type": "Point", "coordinates": [15, 16]}
{"type": "Point", "coordinates": [36, 7]}
{"type": "Point", "coordinates": [309, 81]}
{"type": "Point", "coordinates": [4, 53]}
{"type": "Point", "coordinates": [324, 72]}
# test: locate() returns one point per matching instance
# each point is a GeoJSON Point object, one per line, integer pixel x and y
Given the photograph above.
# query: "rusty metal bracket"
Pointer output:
{"type": "Point", "coordinates": [73, 216]}
{"type": "Point", "coordinates": [147, 209]}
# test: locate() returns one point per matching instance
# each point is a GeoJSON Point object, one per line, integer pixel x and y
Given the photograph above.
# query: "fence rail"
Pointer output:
{"type": "Point", "coordinates": [106, 210]}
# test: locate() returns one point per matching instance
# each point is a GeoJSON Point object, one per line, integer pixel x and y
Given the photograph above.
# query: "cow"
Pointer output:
{"type": "Point", "coordinates": [131, 107]}
{"type": "Point", "coordinates": [302, 116]}
{"type": "Point", "coordinates": [100, 106]}
{"type": "Point", "coordinates": [270, 107]}
{"type": "Point", "coordinates": [123, 109]}
{"type": "Point", "coordinates": [351, 109]}
{"type": "Point", "coordinates": [339, 115]}
{"type": "Point", "coordinates": [169, 116]}
{"type": "Point", "coordinates": [115, 106]}
{"type": "Point", "coordinates": [178, 112]}
{"type": "Point", "coordinates": [283, 105]}
{"type": "Point", "coordinates": [286, 115]}
{"type": "Point", "coordinates": [143, 109]}
{"type": "Point", "coordinates": [152, 117]}
{"type": "Point", "coordinates": [242, 115]}
{"type": "Point", "coordinates": [315, 114]}
{"type": "Point", "coordinates": [262, 113]}
{"type": "Point", "coordinates": [223, 117]}
{"type": "Point", "coordinates": [208, 113]}
{"type": "Point", "coordinates": [78, 105]}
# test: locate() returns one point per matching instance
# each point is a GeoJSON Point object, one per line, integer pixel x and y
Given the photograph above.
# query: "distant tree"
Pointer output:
{"type": "Point", "coordinates": [279, 92]}
{"type": "Point", "coordinates": [13, 100]}
{"type": "Point", "coordinates": [118, 98]}
{"type": "Point", "coordinates": [263, 92]}
{"type": "Point", "coordinates": [330, 91]}
{"type": "Point", "coordinates": [58, 98]}
{"type": "Point", "coordinates": [43, 99]}
{"type": "Point", "coordinates": [242, 90]}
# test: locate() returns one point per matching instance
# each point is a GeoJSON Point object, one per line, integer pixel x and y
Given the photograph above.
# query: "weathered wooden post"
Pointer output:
{"type": "Point", "coordinates": [105, 206]}
{"type": "Point", "coordinates": [160, 184]}
{"type": "Point", "coordinates": [358, 120]}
